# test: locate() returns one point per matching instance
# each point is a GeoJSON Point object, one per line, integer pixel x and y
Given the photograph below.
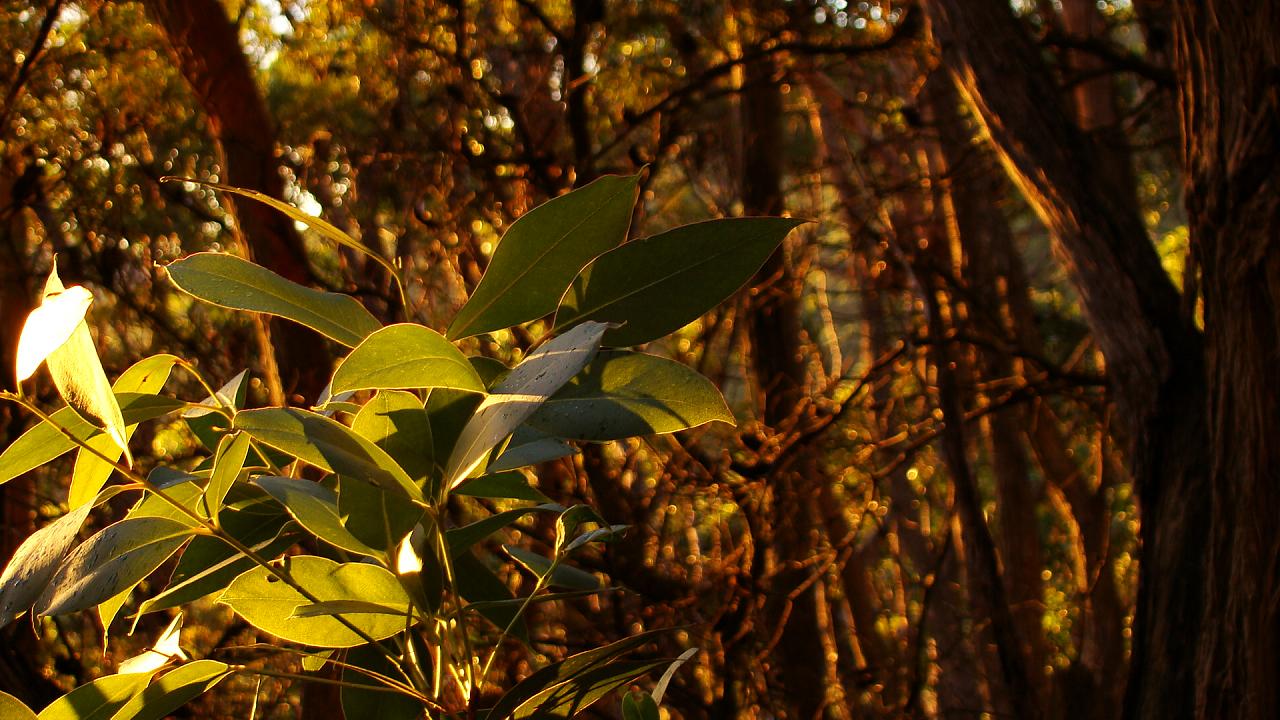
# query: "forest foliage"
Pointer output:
{"type": "Point", "coordinates": [968, 285]}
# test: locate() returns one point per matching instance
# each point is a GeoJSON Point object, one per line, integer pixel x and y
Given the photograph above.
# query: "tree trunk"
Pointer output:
{"type": "Point", "coordinates": [1228, 64]}
{"type": "Point", "coordinates": [1153, 353]}
{"type": "Point", "coordinates": [210, 58]}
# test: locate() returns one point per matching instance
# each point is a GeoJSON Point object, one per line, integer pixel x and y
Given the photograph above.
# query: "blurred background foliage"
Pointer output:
{"type": "Point", "coordinates": [814, 552]}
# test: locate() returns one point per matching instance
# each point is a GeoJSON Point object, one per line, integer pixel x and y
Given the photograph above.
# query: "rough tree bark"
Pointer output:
{"type": "Point", "coordinates": [1227, 61]}
{"type": "Point", "coordinates": [209, 55]}
{"type": "Point", "coordinates": [1154, 353]}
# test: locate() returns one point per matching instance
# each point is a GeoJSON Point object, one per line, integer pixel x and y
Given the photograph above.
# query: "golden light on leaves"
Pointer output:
{"type": "Point", "coordinates": [49, 326]}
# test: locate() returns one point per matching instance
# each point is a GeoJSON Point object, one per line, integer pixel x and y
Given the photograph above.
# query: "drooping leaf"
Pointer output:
{"type": "Point", "coordinates": [116, 558]}
{"type": "Point", "coordinates": [35, 562]}
{"type": "Point", "coordinates": [464, 537]}
{"type": "Point", "coordinates": [315, 507]}
{"type": "Point", "coordinates": [77, 373]}
{"type": "Point", "coordinates": [362, 704]}
{"type": "Point", "coordinates": [518, 396]}
{"type": "Point", "coordinates": [323, 228]}
{"type": "Point", "coordinates": [657, 285]}
{"type": "Point", "coordinates": [326, 444]}
{"type": "Point", "coordinates": [396, 422]}
{"type": "Point", "coordinates": [570, 698]}
{"type": "Point", "coordinates": [477, 583]}
{"type": "Point", "coordinates": [49, 326]}
{"type": "Point", "coordinates": [405, 356]}
{"type": "Point", "coordinates": [543, 251]}
{"type": "Point", "coordinates": [530, 446]}
{"type": "Point", "coordinates": [624, 394]}
{"type": "Point", "coordinates": [268, 603]}
{"type": "Point", "coordinates": [231, 282]}
{"type": "Point", "coordinates": [538, 686]}
{"type": "Point", "coordinates": [374, 516]}
{"type": "Point", "coordinates": [565, 576]}
{"type": "Point", "coordinates": [502, 486]}
{"type": "Point", "coordinates": [97, 700]}
{"type": "Point", "coordinates": [11, 708]}
{"type": "Point", "coordinates": [208, 565]}
{"type": "Point", "coordinates": [91, 472]}
{"type": "Point", "coordinates": [660, 689]}
{"type": "Point", "coordinates": [639, 706]}
{"type": "Point", "coordinates": [44, 443]}
{"type": "Point", "coordinates": [172, 690]}
{"type": "Point", "coordinates": [227, 464]}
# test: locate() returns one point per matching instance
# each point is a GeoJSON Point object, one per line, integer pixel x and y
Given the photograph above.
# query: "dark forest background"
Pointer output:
{"type": "Point", "coordinates": [1007, 407]}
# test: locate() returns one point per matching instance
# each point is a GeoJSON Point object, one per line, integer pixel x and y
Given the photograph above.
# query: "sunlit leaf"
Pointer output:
{"type": "Point", "coordinates": [114, 559]}
{"type": "Point", "coordinates": [624, 394]}
{"type": "Point", "coordinates": [77, 373]}
{"type": "Point", "coordinates": [11, 708]}
{"type": "Point", "coordinates": [326, 444]}
{"type": "Point", "coordinates": [228, 462]}
{"type": "Point", "coordinates": [657, 285]}
{"type": "Point", "coordinates": [530, 446]}
{"type": "Point", "coordinates": [91, 472]}
{"type": "Point", "coordinates": [35, 562]}
{"type": "Point", "coordinates": [44, 443]}
{"type": "Point", "coordinates": [49, 326]}
{"type": "Point", "coordinates": [405, 356]}
{"type": "Point", "coordinates": [268, 604]}
{"type": "Point", "coordinates": [231, 282]}
{"type": "Point", "coordinates": [174, 689]}
{"type": "Point", "coordinates": [97, 700]}
{"type": "Point", "coordinates": [165, 650]}
{"type": "Point", "coordinates": [315, 507]}
{"type": "Point", "coordinates": [396, 422]}
{"type": "Point", "coordinates": [660, 689]}
{"type": "Point", "coordinates": [375, 517]}
{"type": "Point", "coordinates": [543, 251]}
{"type": "Point", "coordinates": [518, 396]}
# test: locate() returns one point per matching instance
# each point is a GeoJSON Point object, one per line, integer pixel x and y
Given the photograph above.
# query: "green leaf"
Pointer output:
{"type": "Point", "coordinates": [116, 558]}
{"type": "Point", "coordinates": [543, 251]}
{"type": "Point", "coordinates": [374, 516]}
{"type": "Point", "coordinates": [91, 472]}
{"type": "Point", "coordinates": [44, 443]}
{"type": "Point", "coordinates": [564, 576]}
{"type": "Point", "coordinates": [360, 704]}
{"type": "Point", "coordinates": [228, 462]}
{"type": "Point", "coordinates": [659, 284]}
{"type": "Point", "coordinates": [35, 562]}
{"type": "Point", "coordinates": [323, 228]}
{"type": "Point", "coordinates": [97, 700]}
{"type": "Point", "coordinates": [568, 699]}
{"type": "Point", "coordinates": [231, 282]}
{"type": "Point", "coordinates": [268, 604]}
{"type": "Point", "coordinates": [519, 395]}
{"type": "Point", "coordinates": [660, 689]}
{"type": "Point", "coordinates": [326, 444]}
{"type": "Point", "coordinates": [396, 422]}
{"type": "Point", "coordinates": [11, 708]}
{"type": "Point", "coordinates": [174, 689]}
{"type": "Point", "coordinates": [315, 507]}
{"type": "Point", "coordinates": [477, 583]}
{"type": "Point", "coordinates": [639, 706]}
{"type": "Point", "coordinates": [544, 681]}
{"type": "Point", "coordinates": [78, 375]}
{"type": "Point", "coordinates": [185, 492]}
{"type": "Point", "coordinates": [624, 394]}
{"type": "Point", "coordinates": [502, 486]}
{"type": "Point", "coordinates": [464, 537]}
{"type": "Point", "coordinates": [405, 356]}
{"type": "Point", "coordinates": [208, 564]}
{"type": "Point", "coordinates": [530, 446]}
